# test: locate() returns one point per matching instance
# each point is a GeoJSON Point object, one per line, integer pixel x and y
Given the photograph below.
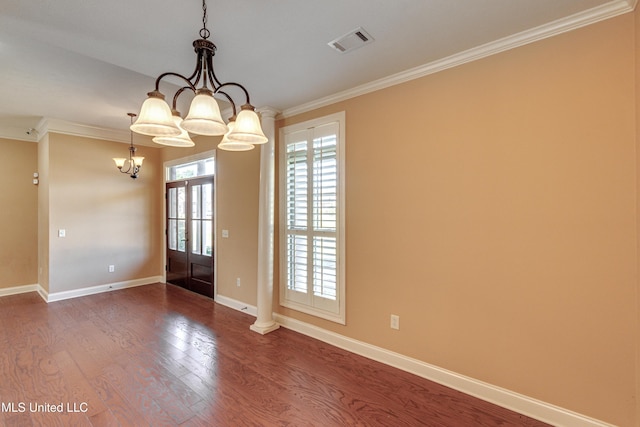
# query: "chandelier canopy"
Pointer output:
{"type": "Point", "coordinates": [165, 123]}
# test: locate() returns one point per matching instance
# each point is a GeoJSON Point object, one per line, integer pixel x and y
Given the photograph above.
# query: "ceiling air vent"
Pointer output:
{"type": "Point", "coordinates": [352, 40]}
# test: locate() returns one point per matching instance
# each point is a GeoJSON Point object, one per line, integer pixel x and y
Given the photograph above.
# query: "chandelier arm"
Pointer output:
{"type": "Point", "coordinates": [197, 72]}
{"type": "Point", "coordinates": [233, 104]}
{"type": "Point", "coordinates": [177, 95]}
{"type": "Point", "coordinates": [211, 73]}
{"type": "Point", "coordinates": [128, 169]}
{"type": "Point", "coordinates": [246, 94]}
{"type": "Point", "coordinates": [180, 76]}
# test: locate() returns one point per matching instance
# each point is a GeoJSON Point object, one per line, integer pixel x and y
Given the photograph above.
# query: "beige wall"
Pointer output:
{"type": "Point", "coordinates": [18, 214]}
{"type": "Point", "coordinates": [237, 185]}
{"type": "Point", "coordinates": [109, 218]}
{"type": "Point", "coordinates": [493, 208]}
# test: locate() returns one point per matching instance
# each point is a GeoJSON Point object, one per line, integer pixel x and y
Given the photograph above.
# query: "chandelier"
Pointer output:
{"type": "Point", "coordinates": [165, 123]}
{"type": "Point", "coordinates": [134, 163]}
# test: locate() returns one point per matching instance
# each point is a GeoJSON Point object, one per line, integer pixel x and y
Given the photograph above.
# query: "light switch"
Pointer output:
{"type": "Point", "coordinates": [62, 232]}
{"type": "Point", "coordinates": [225, 233]}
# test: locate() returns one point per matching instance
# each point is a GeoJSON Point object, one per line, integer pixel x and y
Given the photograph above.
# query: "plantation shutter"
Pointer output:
{"type": "Point", "coordinates": [312, 214]}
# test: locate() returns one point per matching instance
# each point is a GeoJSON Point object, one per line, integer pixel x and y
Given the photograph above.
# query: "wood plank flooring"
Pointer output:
{"type": "Point", "coordinates": [158, 355]}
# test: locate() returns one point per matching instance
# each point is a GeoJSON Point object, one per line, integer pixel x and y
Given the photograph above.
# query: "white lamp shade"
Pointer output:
{"type": "Point", "coordinates": [227, 145]}
{"type": "Point", "coordinates": [137, 160]}
{"type": "Point", "coordinates": [155, 118]}
{"type": "Point", "coordinates": [235, 146]}
{"type": "Point", "coordinates": [119, 162]}
{"type": "Point", "coordinates": [204, 116]}
{"type": "Point", "coordinates": [247, 129]}
{"type": "Point", "coordinates": [181, 140]}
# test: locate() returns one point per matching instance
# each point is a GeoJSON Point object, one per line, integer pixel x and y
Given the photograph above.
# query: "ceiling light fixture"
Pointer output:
{"type": "Point", "coordinates": [135, 162]}
{"type": "Point", "coordinates": [159, 120]}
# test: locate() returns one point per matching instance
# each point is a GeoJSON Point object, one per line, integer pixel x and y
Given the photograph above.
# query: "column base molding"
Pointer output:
{"type": "Point", "coordinates": [264, 329]}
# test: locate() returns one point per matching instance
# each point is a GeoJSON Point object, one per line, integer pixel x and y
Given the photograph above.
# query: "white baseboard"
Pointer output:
{"type": "Point", "coordinates": [15, 290]}
{"type": "Point", "coordinates": [522, 404]}
{"type": "Point", "coordinates": [237, 305]}
{"type": "Point", "coordinates": [59, 296]}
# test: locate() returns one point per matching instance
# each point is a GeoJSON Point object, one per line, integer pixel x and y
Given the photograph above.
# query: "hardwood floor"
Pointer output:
{"type": "Point", "coordinates": [159, 355]}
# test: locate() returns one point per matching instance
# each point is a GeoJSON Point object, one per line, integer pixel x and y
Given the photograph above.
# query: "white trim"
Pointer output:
{"type": "Point", "coordinates": [15, 290]}
{"type": "Point", "coordinates": [522, 404]}
{"type": "Point", "coordinates": [43, 293]}
{"type": "Point", "coordinates": [59, 296]}
{"type": "Point", "coordinates": [237, 305]}
{"type": "Point", "coordinates": [578, 20]}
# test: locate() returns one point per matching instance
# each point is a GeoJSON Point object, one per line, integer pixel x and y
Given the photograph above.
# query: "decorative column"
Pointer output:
{"type": "Point", "coordinates": [264, 322]}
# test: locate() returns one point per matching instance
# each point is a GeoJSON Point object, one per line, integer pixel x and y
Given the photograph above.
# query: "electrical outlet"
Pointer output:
{"type": "Point", "coordinates": [395, 321]}
{"type": "Point", "coordinates": [112, 268]}
{"type": "Point", "coordinates": [238, 282]}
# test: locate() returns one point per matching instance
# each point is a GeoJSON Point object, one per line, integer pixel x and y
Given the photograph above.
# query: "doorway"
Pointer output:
{"type": "Point", "coordinates": [190, 234]}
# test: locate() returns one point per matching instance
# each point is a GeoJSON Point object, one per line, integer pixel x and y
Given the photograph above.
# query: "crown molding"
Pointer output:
{"type": "Point", "coordinates": [267, 111]}
{"type": "Point", "coordinates": [570, 23]}
{"type": "Point", "coordinates": [76, 129]}
{"type": "Point", "coordinates": [95, 132]}
{"type": "Point", "coordinates": [17, 134]}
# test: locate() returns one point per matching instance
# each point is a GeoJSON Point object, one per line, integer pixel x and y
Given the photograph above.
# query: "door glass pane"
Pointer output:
{"type": "Point", "coordinates": [196, 202]}
{"type": "Point", "coordinates": [182, 210]}
{"type": "Point", "coordinates": [186, 171]}
{"type": "Point", "coordinates": [182, 235]}
{"type": "Point", "coordinates": [191, 170]}
{"type": "Point", "coordinates": [196, 233]}
{"type": "Point", "coordinates": [207, 238]}
{"type": "Point", "coordinates": [172, 202]}
{"type": "Point", "coordinates": [207, 201]}
{"type": "Point", "coordinates": [172, 235]}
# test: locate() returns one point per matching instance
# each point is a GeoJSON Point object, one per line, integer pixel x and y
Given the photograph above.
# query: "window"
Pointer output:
{"type": "Point", "coordinates": [203, 167]}
{"type": "Point", "coordinates": [312, 217]}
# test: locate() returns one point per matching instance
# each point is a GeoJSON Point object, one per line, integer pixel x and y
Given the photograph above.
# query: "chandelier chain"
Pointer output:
{"type": "Point", "coordinates": [204, 32]}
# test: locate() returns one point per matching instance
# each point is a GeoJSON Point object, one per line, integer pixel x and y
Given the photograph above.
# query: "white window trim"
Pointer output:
{"type": "Point", "coordinates": [340, 316]}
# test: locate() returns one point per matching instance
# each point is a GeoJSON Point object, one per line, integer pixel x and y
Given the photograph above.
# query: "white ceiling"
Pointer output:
{"type": "Point", "coordinates": [91, 61]}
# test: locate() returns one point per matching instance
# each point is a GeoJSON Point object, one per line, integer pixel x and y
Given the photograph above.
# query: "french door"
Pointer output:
{"type": "Point", "coordinates": [190, 234]}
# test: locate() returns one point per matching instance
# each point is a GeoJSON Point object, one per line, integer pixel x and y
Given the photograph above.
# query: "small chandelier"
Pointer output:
{"type": "Point", "coordinates": [166, 125]}
{"type": "Point", "coordinates": [134, 162]}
